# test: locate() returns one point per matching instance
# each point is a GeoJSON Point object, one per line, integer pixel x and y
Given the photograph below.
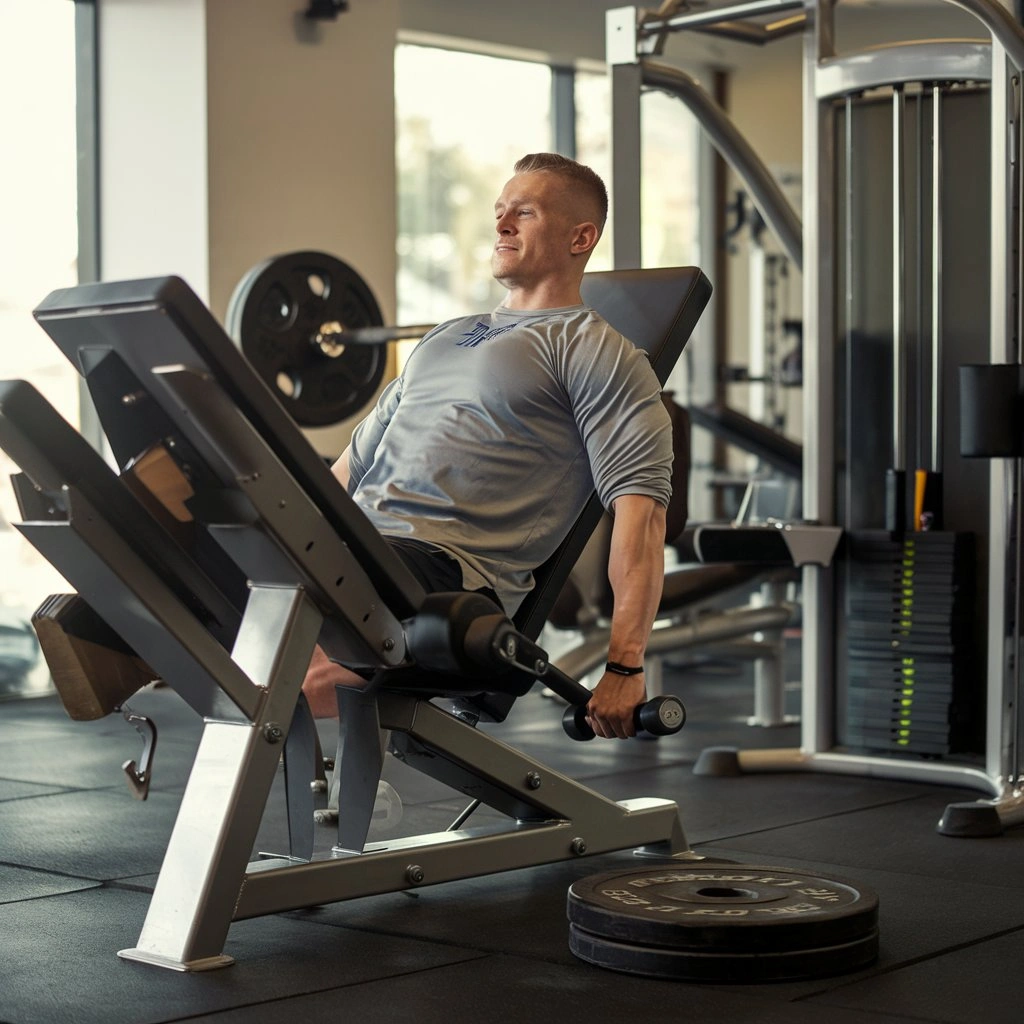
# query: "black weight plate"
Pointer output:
{"type": "Point", "coordinates": [723, 966]}
{"type": "Point", "coordinates": [273, 315]}
{"type": "Point", "coordinates": [734, 909]}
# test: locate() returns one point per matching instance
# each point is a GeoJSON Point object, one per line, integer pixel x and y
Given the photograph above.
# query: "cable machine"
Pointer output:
{"type": "Point", "coordinates": [884, 254]}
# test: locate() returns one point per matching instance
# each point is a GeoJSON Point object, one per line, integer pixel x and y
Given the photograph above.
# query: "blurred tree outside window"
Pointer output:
{"type": "Point", "coordinates": [670, 139]}
{"type": "Point", "coordinates": [669, 170]}
{"type": "Point", "coordinates": [592, 99]}
{"type": "Point", "coordinates": [462, 121]}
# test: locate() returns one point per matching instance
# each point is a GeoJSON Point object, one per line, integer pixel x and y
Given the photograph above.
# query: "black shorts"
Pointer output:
{"type": "Point", "coordinates": [435, 569]}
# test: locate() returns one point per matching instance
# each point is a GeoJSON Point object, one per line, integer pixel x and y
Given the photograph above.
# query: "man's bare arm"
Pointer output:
{"type": "Point", "coordinates": [636, 570]}
{"type": "Point", "coordinates": [341, 468]}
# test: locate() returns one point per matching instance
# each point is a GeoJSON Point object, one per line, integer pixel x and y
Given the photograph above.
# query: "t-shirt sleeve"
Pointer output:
{"type": "Point", "coordinates": [616, 400]}
{"type": "Point", "coordinates": [369, 432]}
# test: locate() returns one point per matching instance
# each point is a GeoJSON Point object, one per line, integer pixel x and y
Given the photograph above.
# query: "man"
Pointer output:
{"type": "Point", "coordinates": [477, 460]}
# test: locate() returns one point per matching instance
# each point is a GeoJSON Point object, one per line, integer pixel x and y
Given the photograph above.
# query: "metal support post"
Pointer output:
{"type": "Point", "coordinates": [621, 54]}
{"type": "Point", "coordinates": [204, 869]}
{"type": "Point", "coordinates": [770, 668]}
{"type": "Point", "coordinates": [819, 175]}
{"type": "Point", "coordinates": [1002, 570]}
{"type": "Point", "coordinates": [357, 766]}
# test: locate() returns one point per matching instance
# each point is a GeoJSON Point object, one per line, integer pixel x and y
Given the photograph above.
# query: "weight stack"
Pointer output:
{"type": "Point", "coordinates": [909, 643]}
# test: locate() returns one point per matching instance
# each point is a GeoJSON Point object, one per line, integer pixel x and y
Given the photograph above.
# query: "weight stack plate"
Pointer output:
{"type": "Point", "coordinates": [908, 625]}
{"type": "Point", "coordinates": [726, 923]}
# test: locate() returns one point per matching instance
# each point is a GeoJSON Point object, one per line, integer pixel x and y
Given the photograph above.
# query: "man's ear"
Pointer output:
{"type": "Point", "coordinates": [584, 238]}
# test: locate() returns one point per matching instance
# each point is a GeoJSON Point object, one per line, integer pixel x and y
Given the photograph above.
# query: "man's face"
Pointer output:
{"type": "Point", "coordinates": [535, 230]}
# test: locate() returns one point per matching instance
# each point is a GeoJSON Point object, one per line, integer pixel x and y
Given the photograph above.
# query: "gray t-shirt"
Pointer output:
{"type": "Point", "coordinates": [492, 440]}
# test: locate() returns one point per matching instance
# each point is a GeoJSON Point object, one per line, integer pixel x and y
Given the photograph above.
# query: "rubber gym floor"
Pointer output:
{"type": "Point", "coordinates": [79, 856]}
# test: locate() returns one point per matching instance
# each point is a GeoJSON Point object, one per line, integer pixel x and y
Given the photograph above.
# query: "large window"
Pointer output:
{"type": "Point", "coordinates": [463, 119]}
{"type": "Point", "coordinates": [669, 201]}
{"type": "Point", "coordinates": [39, 252]}
{"type": "Point", "coordinates": [669, 167]}
{"type": "Point", "coordinates": [591, 114]}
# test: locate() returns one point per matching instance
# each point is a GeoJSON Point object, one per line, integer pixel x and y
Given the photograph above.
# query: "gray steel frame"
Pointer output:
{"type": "Point", "coordinates": [255, 496]}
{"type": "Point", "coordinates": [206, 880]}
{"type": "Point", "coordinates": [827, 76]}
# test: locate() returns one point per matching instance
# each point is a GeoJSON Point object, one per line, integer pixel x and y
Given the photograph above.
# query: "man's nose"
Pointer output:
{"type": "Point", "coordinates": [504, 225]}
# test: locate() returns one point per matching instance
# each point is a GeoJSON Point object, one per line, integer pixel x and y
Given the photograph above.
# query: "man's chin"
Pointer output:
{"type": "Point", "coordinates": [502, 275]}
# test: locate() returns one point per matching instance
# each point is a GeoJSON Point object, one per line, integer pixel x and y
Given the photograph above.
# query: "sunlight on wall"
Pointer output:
{"type": "Point", "coordinates": [38, 253]}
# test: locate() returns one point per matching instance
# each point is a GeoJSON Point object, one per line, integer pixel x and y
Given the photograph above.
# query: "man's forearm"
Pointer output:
{"type": "Point", "coordinates": [636, 571]}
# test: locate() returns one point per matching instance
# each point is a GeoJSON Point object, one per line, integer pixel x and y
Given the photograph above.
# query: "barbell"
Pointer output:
{"type": "Point", "coordinates": [313, 331]}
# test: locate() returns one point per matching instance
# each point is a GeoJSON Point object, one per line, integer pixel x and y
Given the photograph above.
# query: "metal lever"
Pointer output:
{"type": "Point", "coordinates": [140, 773]}
{"type": "Point", "coordinates": [523, 654]}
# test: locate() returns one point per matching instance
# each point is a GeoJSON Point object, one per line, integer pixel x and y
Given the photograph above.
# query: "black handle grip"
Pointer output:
{"type": "Point", "coordinates": [660, 716]}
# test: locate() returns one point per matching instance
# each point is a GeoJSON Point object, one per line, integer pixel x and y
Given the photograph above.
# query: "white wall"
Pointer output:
{"type": "Point", "coordinates": [230, 132]}
{"type": "Point", "coordinates": [301, 139]}
{"type": "Point", "coordinates": [152, 84]}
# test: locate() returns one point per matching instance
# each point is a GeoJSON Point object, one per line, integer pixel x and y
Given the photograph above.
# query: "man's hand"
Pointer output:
{"type": "Point", "coordinates": [610, 711]}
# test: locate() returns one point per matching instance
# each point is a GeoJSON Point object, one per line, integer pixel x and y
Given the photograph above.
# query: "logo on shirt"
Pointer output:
{"type": "Point", "coordinates": [481, 332]}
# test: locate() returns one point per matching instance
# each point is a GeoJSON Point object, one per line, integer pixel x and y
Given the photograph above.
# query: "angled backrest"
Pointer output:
{"type": "Point", "coordinates": [657, 310]}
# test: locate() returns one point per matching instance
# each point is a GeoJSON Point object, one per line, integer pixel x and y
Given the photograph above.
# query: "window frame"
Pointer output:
{"type": "Point", "coordinates": [87, 131]}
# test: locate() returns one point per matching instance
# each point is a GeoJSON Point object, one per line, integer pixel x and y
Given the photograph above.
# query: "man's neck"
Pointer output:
{"type": "Point", "coordinates": [545, 296]}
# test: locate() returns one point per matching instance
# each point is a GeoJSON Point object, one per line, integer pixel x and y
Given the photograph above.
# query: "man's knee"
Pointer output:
{"type": "Point", "coordinates": [321, 678]}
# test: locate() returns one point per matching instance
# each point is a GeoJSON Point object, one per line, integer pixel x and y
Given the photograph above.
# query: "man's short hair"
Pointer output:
{"type": "Point", "coordinates": [570, 171]}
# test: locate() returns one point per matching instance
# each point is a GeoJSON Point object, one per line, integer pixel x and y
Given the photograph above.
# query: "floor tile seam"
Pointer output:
{"type": "Point", "coordinates": [893, 872]}
{"type": "Point", "coordinates": [51, 871]}
{"type": "Point", "coordinates": [56, 791]}
{"type": "Point", "coordinates": [910, 962]}
{"type": "Point", "coordinates": [391, 933]}
{"type": "Point", "coordinates": [50, 895]}
{"type": "Point", "coordinates": [123, 885]}
{"type": "Point", "coordinates": [61, 790]}
{"type": "Point", "coordinates": [818, 817]}
{"type": "Point", "coordinates": [213, 1014]}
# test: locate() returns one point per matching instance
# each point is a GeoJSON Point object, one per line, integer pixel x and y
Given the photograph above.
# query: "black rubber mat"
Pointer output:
{"type": "Point", "coordinates": [99, 834]}
{"type": "Point", "coordinates": [60, 964]}
{"type": "Point", "coordinates": [513, 990]}
{"type": "Point", "coordinates": [919, 919]}
{"type": "Point", "coordinates": [518, 912]}
{"type": "Point", "coordinates": [900, 834]}
{"type": "Point", "coordinates": [494, 948]}
{"type": "Point", "coordinates": [715, 809]}
{"type": "Point", "coordinates": [978, 980]}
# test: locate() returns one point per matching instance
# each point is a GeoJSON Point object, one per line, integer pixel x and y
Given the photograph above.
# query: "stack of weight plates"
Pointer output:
{"type": "Point", "coordinates": [908, 620]}
{"type": "Point", "coordinates": [722, 923]}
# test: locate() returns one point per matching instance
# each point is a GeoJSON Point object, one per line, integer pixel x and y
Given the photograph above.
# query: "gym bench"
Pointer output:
{"type": "Point", "coordinates": [216, 559]}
